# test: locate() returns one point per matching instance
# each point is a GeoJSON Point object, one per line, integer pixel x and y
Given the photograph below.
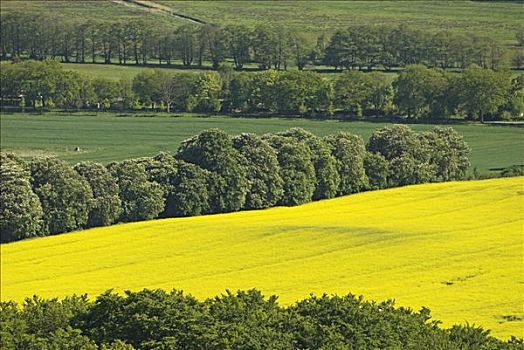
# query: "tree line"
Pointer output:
{"type": "Point", "coordinates": [417, 92]}
{"type": "Point", "coordinates": [143, 42]}
{"type": "Point", "coordinates": [214, 172]}
{"type": "Point", "coordinates": [158, 320]}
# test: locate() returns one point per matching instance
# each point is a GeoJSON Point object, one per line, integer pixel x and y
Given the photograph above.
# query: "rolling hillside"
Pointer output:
{"type": "Point", "coordinates": [454, 247]}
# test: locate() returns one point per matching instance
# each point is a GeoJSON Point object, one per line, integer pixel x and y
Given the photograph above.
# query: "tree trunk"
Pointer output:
{"type": "Point", "coordinates": [93, 50]}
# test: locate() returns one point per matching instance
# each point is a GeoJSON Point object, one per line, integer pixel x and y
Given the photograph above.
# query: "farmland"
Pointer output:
{"type": "Point", "coordinates": [454, 247]}
{"type": "Point", "coordinates": [501, 18]}
{"type": "Point", "coordinates": [106, 137]}
{"type": "Point", "coordinates": [325, 16]}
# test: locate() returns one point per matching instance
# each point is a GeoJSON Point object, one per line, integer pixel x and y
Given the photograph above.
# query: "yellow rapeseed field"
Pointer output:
{"type": "Point", "coordinates": [455, 247]}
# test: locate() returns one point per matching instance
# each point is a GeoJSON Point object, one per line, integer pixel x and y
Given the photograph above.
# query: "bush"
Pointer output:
{"type": "Point", "coordinates": [155, 319]}
{"type": "Point", "coordinates": [514, 170]}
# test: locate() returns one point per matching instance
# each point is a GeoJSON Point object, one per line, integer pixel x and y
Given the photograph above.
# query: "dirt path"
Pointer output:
{"type": "Point", "coordinates": [154, 7]}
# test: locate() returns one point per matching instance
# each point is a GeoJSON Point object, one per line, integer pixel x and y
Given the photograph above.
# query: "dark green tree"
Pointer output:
{"type": "Point", "coordinates": [238, 39]}
{"type": "Point", "coordinates": [296, 169]}
{"type": "Point", "coordinates": [20, 209]}
{"type": "Point", "coordinates": [377, 169]}
{"type": "Point", "coordinates": [326, 173]}
{"type": "Point", "coordinates": [265, 186]}
{"type": "Point", "coordinates": [66, 197]}
{"type": "Point", "coordinates": [106, 207]}
{"type": "Point", "coordinates": [141, 199]}
{"type": "Point", "coordinates": [482, 91]}
{"type": "Point", "coordinates": [349, 152]}
{"type": "Point", "coordinates": [408, 157]}
{"type": "Point", "coordinates": [213, 150]}
{"type": "Point", "coordinates": [190, 195]}
{"type": "Point", "coordinates": [448, 152]}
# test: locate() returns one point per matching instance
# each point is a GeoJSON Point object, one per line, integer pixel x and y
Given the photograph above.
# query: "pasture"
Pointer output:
{"type": "Point", "coordinates": [502, 18]}
{"type": "Point", "coordinates": [106, 137]}
{"type": "Point", "coordinates": [454, 247]}
{"type": "Point", "coordinates": [314, 17]}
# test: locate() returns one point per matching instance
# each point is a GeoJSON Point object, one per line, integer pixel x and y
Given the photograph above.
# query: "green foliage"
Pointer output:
{"type": "Point", "coordinates": [349, 152]}
{"type": "Point", "coordinates": [107, 205]}
{"type": "Point", "coordinates": [66, 197]}
{"type": "Point", "coordinates": [481, 91]}
{"type": "Point", "coordinates": [514, 170]}
{"type": "Point", "coordinates": [296, 169]}
{"type": "Point", "coordinates": [262, 171]}
{"type": "Point", "coordinates": [377, 169]}
{"type": "Point", "coordinates": [353, 91]}
{"type": "Point", "coordinates": [420, 92]}
{"type": "Point", "coordinates": [155, 319]}
{"type": "Point", "coordinates": [206, 92]}
{"type": "Point", "coordinates": [190, 194]}
{"type": "Point", "coordinates": [213, 150]}
{"type": "Point", "coordinates": [146, 318]}
{"type": "Point", "coordinates": [20, 209]}
{"type": "Point", "coordinates": [408, 157]}
{"type": "Point", "coordinates": [326, 172]}
{"type": "Point", "coordinates": [141, 198]}
{"type": "Point", "coordinates": [448, 152]}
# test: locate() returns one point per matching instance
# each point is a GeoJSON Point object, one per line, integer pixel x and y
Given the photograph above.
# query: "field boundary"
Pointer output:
{"type": "Point", "coordinates": [157, 7]}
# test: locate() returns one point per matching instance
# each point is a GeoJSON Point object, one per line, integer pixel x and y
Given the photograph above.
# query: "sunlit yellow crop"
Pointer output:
{"type": "Point", "coordinates": [456, 248]}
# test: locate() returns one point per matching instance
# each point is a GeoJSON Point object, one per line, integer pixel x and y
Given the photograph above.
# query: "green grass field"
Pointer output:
{"type": "Point", "coordinates": [105, 137]}
{"type": "Point", "coordinates": [114, 71]}
{"type": "Point", "coordinates": [454, 247]}
{"type": "Point", "coordinates": [314, 17]}
{"type": "Point", "coordinates": [81, 10]}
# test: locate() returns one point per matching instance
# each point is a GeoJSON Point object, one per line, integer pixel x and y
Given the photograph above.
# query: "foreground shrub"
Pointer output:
{"type": "Point", "coordinates": [155, 319]}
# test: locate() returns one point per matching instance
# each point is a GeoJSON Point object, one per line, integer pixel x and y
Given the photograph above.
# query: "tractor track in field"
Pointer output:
{"type": "Point", "coordinates": [152, 6]}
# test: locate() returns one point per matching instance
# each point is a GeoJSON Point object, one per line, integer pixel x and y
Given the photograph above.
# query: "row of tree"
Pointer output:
{"type": "Point", "coordinates": [142, 42]}
{"type": "Point", "coordinates": [213, 172]}
{"type": "Point", "coordinates": [418, 92]}
{"type": "Point", "coordinates": [156, 320]}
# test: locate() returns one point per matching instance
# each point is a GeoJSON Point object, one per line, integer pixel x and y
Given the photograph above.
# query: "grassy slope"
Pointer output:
{"type": "Point", "coordinates": [81, 10]}
{"type": "Point", "coordinates": [454, 247]}
{"type": "Point", "coordinates": [314, 17]}
{"type": "Point", "coordinates": [108, 136]}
